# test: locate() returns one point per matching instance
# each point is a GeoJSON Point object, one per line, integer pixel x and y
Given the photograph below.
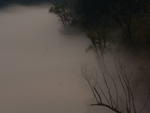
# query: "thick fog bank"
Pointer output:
{"type": "Point", "coordinates": [40, 66]}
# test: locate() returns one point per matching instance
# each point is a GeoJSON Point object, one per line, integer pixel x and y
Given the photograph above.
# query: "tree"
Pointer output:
{"type": "Point", "coordinates": [115, 94]}
{"type": "Point", "coordinates": [95, 14]}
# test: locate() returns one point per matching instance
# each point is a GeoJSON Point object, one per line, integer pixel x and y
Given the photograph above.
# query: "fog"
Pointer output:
{"type": "Point", "coordinates": [40, 63]}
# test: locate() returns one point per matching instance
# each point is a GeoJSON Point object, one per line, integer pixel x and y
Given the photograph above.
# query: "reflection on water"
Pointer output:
{"type": "Point", "coordinates": [39, 65]}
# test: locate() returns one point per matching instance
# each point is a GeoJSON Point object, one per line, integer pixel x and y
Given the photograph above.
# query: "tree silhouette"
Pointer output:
{"type": "Point", "coordinates": [115, 94]}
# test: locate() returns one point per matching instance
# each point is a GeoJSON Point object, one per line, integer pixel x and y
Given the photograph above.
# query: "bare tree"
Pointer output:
{"type": "Point", "coordinates": [116, 94]}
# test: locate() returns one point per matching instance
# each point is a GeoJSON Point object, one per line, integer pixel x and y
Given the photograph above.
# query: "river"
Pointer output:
{"type": "Point", "coordinates": [40, 63]}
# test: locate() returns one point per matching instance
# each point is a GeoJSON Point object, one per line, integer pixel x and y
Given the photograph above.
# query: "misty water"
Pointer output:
{"type": "Point", "coordinates": [40, 63]}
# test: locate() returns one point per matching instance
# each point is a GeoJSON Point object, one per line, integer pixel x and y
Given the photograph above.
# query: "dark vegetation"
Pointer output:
{"type": "Point", "coordinates": [99, 17]}
{"type": "Point", "coordinates": [114, 92]}
{"type": "Point", "coordinates": [22, 1]}
{"type": "Point", "coordinates": [4, 3]}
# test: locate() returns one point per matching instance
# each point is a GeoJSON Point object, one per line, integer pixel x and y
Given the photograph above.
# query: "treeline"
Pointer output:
{"type": "Point", "coordinates": [21, 1]}
{"type": "Point", "coordinates": [98, 17]}
{"type": "Point", "coordinates": [4, 3]}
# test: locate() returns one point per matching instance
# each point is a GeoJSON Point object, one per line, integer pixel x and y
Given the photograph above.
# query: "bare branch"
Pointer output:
{"type": "Point", "coordinates": [98, 94]}
{"type": "Point", "coordinates": [109, 92]}
{"type": "Point", "coordinates": [107, 106]}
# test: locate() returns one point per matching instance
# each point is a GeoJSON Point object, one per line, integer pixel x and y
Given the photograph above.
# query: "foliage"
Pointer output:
{"type": "Point", "coordinates": [93, 15]}
{"type": "Point", "coordinates": [64, 13]}
{"type": "Point", "coordinates": [26, 2]}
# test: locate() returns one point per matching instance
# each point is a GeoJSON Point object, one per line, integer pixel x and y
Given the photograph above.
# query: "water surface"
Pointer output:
{"type": "Point", "coordinates": [40, 65]}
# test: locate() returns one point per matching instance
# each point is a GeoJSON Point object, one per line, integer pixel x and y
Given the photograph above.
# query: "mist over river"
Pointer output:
{"type": "Point", "coordinates": [40, 63]}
